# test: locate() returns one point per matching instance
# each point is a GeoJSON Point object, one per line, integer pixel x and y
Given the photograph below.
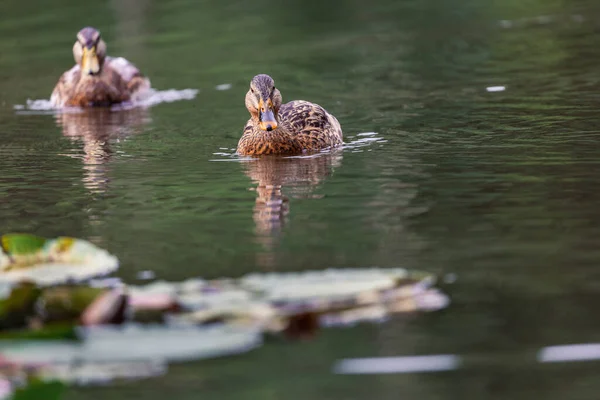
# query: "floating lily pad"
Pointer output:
{"type": "Point", "coordinates": [333, 289]}
{"type": "Point", "coordinates": [197, 318]}
{"type": "Point", "coordinates": [136, 342]}
{"type": "Point", "coordinates": [21, 244]}
{"type": "Point", "coordinates": [51, 261]}
{"type": "Point", "coordinates": [327, 284]}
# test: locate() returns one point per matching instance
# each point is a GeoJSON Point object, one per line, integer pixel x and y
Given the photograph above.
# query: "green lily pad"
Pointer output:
{"type": "Point", "coordinates": [198, 318]}
{"type": "Point", "coordinates": [52, 261]}
{"type": "Point", "coordinates": [135, 342]}
{"type": "Point", "coordinates": [18, 244]}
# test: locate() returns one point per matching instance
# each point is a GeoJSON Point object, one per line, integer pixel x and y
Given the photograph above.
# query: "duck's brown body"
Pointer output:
{"type": "Point", "coordinates": [119, 81]}
{"type": "Point", "coordinates": [96, 79]}
{"type": "Point", "coordinates": [301, 126]}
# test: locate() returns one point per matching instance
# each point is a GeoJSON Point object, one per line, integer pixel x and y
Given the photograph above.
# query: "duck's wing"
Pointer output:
{"type": "Point", "coordinates": [311, 124]}
{"type": "Point", "coordinates": [65, 86]}
{"type": "Point", "coordinates": [137, 84]}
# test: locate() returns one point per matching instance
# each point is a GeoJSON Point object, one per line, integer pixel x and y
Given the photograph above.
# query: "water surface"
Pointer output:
{"type": "Point", "coordinates": [499, 188]}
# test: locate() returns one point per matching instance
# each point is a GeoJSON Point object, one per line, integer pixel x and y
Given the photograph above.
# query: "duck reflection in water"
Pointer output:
{"type": "Point", "coordinates": [276, 179]}
{"type": "Point", "coordinates": [97, 128]}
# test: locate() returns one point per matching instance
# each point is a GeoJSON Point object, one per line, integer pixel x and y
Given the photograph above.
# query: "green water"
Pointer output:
{"type": "Point", "coordinates": [498, 188]}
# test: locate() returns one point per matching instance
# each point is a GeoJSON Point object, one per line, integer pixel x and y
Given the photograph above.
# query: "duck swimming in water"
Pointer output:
{"type": "Point", "coordinates": [291, 128]}
{"type": "Point", "coordinates": [97, 80]}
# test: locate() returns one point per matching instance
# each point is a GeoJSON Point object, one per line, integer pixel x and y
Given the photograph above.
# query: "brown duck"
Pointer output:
{"type": "Point", "coordinates": [292, 128]}
{"type": "Point", "coordinates": [97, 80]}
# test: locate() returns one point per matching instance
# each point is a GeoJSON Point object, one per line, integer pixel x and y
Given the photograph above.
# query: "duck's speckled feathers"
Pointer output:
{"type": "Point", "coordinates": [119, 81]}
{"type": "Point", "coordinates": [304, 126]}
{"type": "Point", "coordinates": [310, 124]}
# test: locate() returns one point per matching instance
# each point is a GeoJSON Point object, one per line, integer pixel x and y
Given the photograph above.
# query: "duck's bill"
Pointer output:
{"type": "Point", "coordinates": [90, 64]}
{"type": "Point", "coordinates": [267, 121]}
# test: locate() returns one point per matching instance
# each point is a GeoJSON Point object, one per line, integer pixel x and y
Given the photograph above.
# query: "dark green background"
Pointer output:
{"type": "Point", "coordinates": [500, 189]}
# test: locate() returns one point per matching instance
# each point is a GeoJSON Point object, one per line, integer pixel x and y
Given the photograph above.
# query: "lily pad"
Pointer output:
{"type": "Point", "coordinates": [332, 289]}
{"type": "Point", "coordinates": [52, 261]}
{"type": "Point", "coordinates": [328, 284]}
{"type": "Point", "coordinates": [197, 318]}
{"type": "Point", "coordinates": [135, 342]}
{"type": "Point", "coordinates": [18, 244]}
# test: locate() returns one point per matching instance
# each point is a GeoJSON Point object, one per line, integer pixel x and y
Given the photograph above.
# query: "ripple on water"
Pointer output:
{"type": "Point", "coordinates": [152, 98]}
{"type": "Point", "coordinates": [361, 140]}
{"type": "Point", "coordinates": [355, 145]}
{"type": "Point", "coordinates": [224, 86]}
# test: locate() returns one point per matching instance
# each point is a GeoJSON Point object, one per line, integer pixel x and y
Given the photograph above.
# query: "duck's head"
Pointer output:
{"type": "Point", "coordinates": [89, 51]}
{"type": "Point", "coordinates": [263, 101]}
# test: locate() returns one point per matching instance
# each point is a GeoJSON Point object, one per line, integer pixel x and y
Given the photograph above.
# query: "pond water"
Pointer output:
{"type": "Point", "coordinates": [471, 132]}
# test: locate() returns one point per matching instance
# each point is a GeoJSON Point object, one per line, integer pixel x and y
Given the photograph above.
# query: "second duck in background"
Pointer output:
{"type": "Point", "coordinates": [97, 80]}
{"type": "Point", "coordinates": [291, 128]}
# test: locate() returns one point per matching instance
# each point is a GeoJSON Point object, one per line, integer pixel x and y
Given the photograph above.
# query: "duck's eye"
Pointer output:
{"type": "Point", "coordinates": [272, 90]}
{"type": "Point", "coordinates": [252, 90]}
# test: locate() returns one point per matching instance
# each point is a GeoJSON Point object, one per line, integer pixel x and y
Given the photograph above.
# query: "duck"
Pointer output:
{"type": "Point", "coordinates": [97, 80]}
{"type": "Point", "coordinates": [285, 129]}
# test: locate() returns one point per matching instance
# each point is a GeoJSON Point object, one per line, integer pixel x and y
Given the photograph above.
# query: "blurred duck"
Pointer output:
{"type": "Point", "coordinates": [97, 80]}
{"type": "Point", "coordinates": [290, 128]}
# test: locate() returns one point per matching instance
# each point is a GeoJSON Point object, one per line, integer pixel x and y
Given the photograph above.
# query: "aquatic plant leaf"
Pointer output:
{"type": "Point", "coordinates": [136, 342]}
{"type": "Point", "coordinates": [19, 306]}
{"type": "Point", "coordinates": [16, 244]}
{"type": "Point", "coordinates": [65, 330]}
{"type": "Point", "coordinates": [330, 284]}
{"type": "Point", "coordinates": [67, 303]}
{"type": "Point", "coordinates": [323, 291]}
{"type": "Point", "coordinates": [203, 319]}
{"type": "Point", "coordinates": [64, 244]}
{"type": "Point", "coordinates": [52, 261]}
{"type": "Point", "coordinates": [37, 389]}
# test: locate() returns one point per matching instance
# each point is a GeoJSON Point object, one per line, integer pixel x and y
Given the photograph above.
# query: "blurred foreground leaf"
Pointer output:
{"type": "Point", "coordinates": [37, 390]}
{"type": "Point", "coordinates": [19, 306]}
{"type": "Point", "coordinates": [22, 244]}
{"type": "Point", "coordinates": [48, 332]}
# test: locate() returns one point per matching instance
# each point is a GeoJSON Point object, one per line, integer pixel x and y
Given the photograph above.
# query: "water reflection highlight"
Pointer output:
{"type": "Point", "coordinates": [277, 180]}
